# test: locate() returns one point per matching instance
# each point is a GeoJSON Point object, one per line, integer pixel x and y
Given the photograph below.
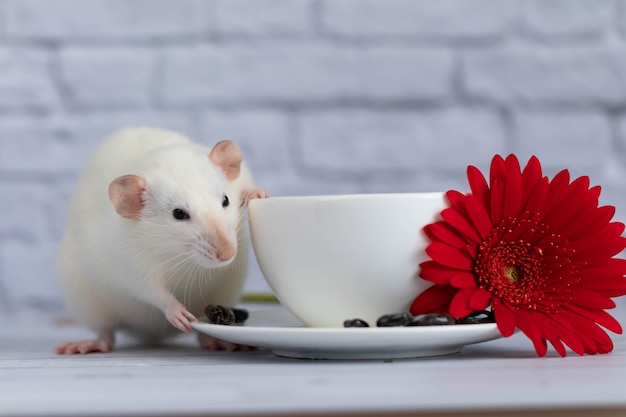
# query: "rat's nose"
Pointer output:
{"type": "Point", "coordinates": [226, 253]}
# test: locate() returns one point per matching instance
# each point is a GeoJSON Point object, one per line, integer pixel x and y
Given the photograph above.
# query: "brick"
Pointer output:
{"type": "Point", "coordinates": [263, 136]}
{"type": "Point", "coordinates": [2, 21]}
{"type": "Point", "coordinates": [108, 19]}
{"type": "Point", "coordinates": [621, 131]}
{"type": "Point", "coordinates": [263, 17]}
{"type": "Point", "coordinates": [62, 144]}
{"type": "Point", "coordinates": [622, 17]}
{"type": "Point", "coordinates": [302, 181]}
{"type": "Point", "coordinates": [457, 19]}
{"type": "Point", "coordinates": [28, 274]}
{"type": "Point", "coordinates": [108, 76]}
{"type": "Point", "coordinates": [559, 18]}
{"type": "Point", "coordinates": [26, 203]}
{"type": "Point", "coordinates": [576, 140]}
{"type": "Point", "coordinates": [305, 73]}
{"type": "Point", "coordinates": [363, 142]}
{"type": "Point", "coordinates": [567, 75]}
{"type": "Point", "coordinates": [432, 181]}
{"type": "Point", "coordinates": [26, 80]}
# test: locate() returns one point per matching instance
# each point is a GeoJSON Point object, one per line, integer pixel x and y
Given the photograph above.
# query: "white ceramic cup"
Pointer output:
{"type": "Point", "coordinates": [332, 258]}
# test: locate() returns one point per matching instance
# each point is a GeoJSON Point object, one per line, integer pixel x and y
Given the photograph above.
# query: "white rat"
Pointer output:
{"type": "Point", "coordinates": [153, 235]}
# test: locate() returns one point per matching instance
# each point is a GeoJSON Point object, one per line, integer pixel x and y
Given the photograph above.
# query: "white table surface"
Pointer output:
{"type": "Point", "coordinates": [502, 377]}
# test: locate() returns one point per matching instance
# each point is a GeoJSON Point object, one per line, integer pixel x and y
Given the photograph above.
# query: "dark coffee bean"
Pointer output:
{"type": "Point", "coordinates": [219, 314]}
{"type": "Point", "coordinates": [241, 315]}
{"type": "Point", "coordinates": [355, 323]}
{"type": "Point", "coordinates": [432, 319]}
{"type": "Point", "coordinates": [477, 317]}
{"type": "Point", "coordinates": [394, 320]}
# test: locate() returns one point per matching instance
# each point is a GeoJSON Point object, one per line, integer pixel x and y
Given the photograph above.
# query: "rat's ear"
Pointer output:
{"type": "Point", "coordinates": [227, 155]}
{"type": "Point", "coordinates": [126, 195]}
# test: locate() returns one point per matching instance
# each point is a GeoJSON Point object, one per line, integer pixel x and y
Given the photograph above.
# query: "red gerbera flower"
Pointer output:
{"type": "Point", "coordinates": [540, 252]}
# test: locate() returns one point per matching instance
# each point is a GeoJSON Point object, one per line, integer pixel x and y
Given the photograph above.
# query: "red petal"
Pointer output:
{"type": "Point", "coordinates": [434, 299]}
{"type": "Point", "coordinates": [531, 175]}
{"type": "Point", "coordinates": [480, 299]}
{"type": "Point", "coordinates": [459, 306]}
{"type": "Point", "coordinates": [538, 196]}
{"type": "Point", "coordinates": [585, 298]}
{"type": "Point", "coordinates": [455, 198]}
{"type": "Point", "coordinates": [527, 325]}
{"type": "Point", "coordinates": [513, 191]}
{"type": "Point", "coordinates": [443, 232]}
{"type": "Point", "coordinates": [479, 216]}
{"type": "Point", "coordinates": [463, 280]}
{"type": "Point", "coordinates": [497, 170]}
{"type": "Point", "coordinates": [478, 185]}
{"type": "Point", "coordinates": [601, 217]}
{"type": "Point", "coordinates": [435, 272]}
{"type": "Point", "coordinates": [449, 256]}
{"type": "Point", "coordinates": [461, 224]}
{"type": "Point", "coordinates": [505, 318]}
{"type": "Point", "coordinates": [558, 186]}
{"type": "Point", "coordinates": [497, 196]}
{"type": "Point", "coordinates": [601, 317]}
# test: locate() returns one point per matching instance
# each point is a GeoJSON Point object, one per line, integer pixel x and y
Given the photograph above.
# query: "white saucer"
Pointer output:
{"type": "Point", "coordinates": [285, 335]}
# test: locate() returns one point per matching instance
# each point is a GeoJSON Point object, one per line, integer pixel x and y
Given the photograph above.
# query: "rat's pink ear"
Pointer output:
{"type": "Point", "coordinates": [126, 195]}
{"type": "Point", "coordinates": [227, 155]}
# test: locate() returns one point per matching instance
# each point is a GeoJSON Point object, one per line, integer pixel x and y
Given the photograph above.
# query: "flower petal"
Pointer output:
{"type": "Point", "coordinates": [463, 280]}
{"type": "Point", "coordinates": [505, 319]}
{"type": "Point", "coordinates": [480, 299]}
{"type": "Point", "coordinates": [435, 272]}
{"type": "Point", "coordinates": [434, 299]}
{"type": "Point", "coordinates": [601, 317]}
{"type": "Point", "coordinates": [478, 185]}
{"type": "Point", "coordinates": [529, 327]}
{"type": "Point", "coordinates": [479, 216]}
{"type": "Point", "coordinates": [585, 298]}
{"type": "Point", "coordinates": [512, 203]}
{"type": "Point", "coordinates": [459, 306]}
{"type": "Point", "coordinates": [461, 224]}
{"type": "Point", "coordinates": [443, 232]}
{"type": "Point", "coordinates": [449, 256]}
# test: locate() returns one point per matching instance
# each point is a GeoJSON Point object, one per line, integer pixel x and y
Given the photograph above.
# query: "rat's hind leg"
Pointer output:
{"type": "Point", "coordinates": [104, 343]}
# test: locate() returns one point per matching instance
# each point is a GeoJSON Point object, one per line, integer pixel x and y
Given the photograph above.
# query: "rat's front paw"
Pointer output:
{"type": "Point", "coordinates": [252, 194]}
{"type": "Point", "coordinates": [179, 317]}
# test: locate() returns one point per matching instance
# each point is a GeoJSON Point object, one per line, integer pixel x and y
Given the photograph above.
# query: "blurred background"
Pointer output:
{"type": "Point", "coordinates": [324, 97]}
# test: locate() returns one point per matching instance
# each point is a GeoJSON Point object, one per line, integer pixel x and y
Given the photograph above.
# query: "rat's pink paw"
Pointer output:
{"type": "Point", "coordinates": [179, 317]}
{"type": "Point", "coordinates": [252, 194]}
{"type": "Point", "coordinates": [213, 343]}
{"type": "Point", "coordinates": [83, 347]}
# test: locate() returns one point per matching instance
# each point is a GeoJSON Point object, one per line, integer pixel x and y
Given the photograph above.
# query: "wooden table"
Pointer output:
{"type": "Point", "coordinates": [502, 377]}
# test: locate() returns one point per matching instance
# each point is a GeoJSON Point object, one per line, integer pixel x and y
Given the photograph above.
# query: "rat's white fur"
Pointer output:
{"type": "Point", "coordinates": [116, 272]}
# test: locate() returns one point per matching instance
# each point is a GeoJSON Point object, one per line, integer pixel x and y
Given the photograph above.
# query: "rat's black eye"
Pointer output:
{"type": "Point", "coordinates": [225, 201]}
{"type": "Point", "coordinates": [180, 214]}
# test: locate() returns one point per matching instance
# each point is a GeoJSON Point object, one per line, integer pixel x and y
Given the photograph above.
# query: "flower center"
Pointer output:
{"type": "Point", "coordinates": [522, 263]}
{"type": "Point", "coordinates": [511, 272]}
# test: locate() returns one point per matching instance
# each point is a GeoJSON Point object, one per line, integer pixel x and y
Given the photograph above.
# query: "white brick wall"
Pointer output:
{"type": "Point", "coordinates": [324, 96]}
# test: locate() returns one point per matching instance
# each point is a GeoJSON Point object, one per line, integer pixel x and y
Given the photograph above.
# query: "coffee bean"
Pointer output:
{"type": "Point", "coordinates": [432, 319]}
{"type": "Point", "coordinates": [394, 320]}
{"type": "Point", "coordinates": [355, 323]}
{"type": "Point", "coordinates": [477, 317]}
{"type": "Point", "coordinates": [241, 315]}
{"type": "Point", "coordinates": [217, 314]}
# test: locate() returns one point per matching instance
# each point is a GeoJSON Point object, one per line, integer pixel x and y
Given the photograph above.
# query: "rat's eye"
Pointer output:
{"type": "Point", "coordinates": [180, 214]}
{"type": "Point", "coordinates": [225, 201]}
